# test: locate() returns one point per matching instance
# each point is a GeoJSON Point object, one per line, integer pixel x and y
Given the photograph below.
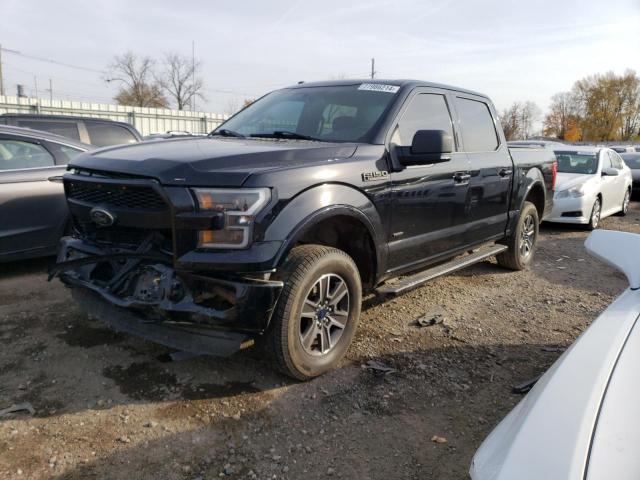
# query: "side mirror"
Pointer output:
{"type": "Point", "coordinates": [428, 146]}
{"type": "Point", "coordinates": [610, 172]}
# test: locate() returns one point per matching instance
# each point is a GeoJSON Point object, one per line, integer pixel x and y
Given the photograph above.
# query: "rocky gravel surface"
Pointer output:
{"type": "Point", "coordinates": [428, 376]}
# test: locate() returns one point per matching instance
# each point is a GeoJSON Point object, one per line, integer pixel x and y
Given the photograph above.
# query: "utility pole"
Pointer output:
{"type": "Point", "coordinates": [1, 77]}
{"type": "Point", "coordinates": [50, 90]}
{"type": "Point", "coordinates": [373, 68]}
{"type": "Point", "coordinates": [35, 82]}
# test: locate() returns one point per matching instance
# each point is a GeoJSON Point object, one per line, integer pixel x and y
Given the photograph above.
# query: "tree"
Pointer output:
{"type": "Point", "coordinates": [510, 120]}
{"type": "Point", "coordinates": [180, 79]}
{"type": "Point", "coordinates": [518, 120]}
{"type": "Point", "coordinates": [600, 106]}
{"type": "Point", "coordinates": [630, 94]}
{"type": "Point", "coordinates": [138, 88]}
{"type": "Point", "coordinates": [562, 117]}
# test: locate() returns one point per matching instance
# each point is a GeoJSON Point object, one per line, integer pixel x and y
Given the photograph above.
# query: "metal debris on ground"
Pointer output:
{"type": "Point", "coordinates": [19, 407]}
{"type": "Point", "coordinates": [429, 319]}
{"type": "Point", "coordinates": [379, 367]}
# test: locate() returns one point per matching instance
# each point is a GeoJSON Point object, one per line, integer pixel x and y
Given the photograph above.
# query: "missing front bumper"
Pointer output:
{"type": "Point", "coordinates": [149, 298]}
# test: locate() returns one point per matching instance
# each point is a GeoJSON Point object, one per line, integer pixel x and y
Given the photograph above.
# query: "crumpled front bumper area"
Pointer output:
{"type": "Point", "coordinates": [140, 293]}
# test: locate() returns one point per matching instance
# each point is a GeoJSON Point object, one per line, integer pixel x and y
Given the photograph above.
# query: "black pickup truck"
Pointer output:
{"type": "Point", "coordinates": [272, 228]}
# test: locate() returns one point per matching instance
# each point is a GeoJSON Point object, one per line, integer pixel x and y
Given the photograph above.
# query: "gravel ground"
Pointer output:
{"type": "Point", "coordinates": [108, 405]}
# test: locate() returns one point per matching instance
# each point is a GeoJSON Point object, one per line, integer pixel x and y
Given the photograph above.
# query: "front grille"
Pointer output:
{"type": "Point", "coordinates": [134, 197]}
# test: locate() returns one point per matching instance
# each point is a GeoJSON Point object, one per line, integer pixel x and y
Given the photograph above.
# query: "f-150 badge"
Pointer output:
{"type": "Point", "coordinates": [374, 176]}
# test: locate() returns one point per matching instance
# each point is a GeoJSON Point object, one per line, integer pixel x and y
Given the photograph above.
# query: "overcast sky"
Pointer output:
{"type": "Point", "coordinates": [508, 50]}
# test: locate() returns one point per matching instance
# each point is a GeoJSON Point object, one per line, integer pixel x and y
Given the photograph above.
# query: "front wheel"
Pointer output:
{"type": "Point", "coordinates": [317, 312]}
{"type": "Point", "coordinates": [596, 212]}
{"type": "Point", "coordinates": [522, 242]}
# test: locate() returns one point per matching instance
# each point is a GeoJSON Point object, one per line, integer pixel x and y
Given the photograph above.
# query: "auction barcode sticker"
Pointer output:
{"type": "Point", "coordinates": [379, 87]}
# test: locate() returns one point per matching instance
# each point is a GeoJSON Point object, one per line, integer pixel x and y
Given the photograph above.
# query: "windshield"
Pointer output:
{"type": "Point", "coordinates": [632, 160]}
{"type": "Point", "coordinates": [345, 113]}
{"type": "Point", "coordinates": [576, 162]}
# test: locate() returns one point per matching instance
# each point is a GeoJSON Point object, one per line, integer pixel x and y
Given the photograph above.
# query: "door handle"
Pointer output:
{"type": "Point", "coordinates": [505, 172]}
{"type": "Point", "coordinates": [461, 177]}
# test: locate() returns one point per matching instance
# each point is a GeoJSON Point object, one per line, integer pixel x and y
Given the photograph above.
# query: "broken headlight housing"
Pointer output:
{"type": "Point", "coordinates": [240, 206]}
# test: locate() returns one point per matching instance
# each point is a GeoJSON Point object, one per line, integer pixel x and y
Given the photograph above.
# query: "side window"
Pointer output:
{"type": "Point", "coordinates": [66, 129]}
{"type": "Point", "coordinates": [17, 154]}
{"type": "Point", "coordinates": [103, 134]}
{"type": "Point", "coordinates": [427, 111]}
{"type": "Point", "coordinates": [478, 130]}
{"type": "Point", "coordinates": [63, 153]}
{"type": "Point", "coordinates": [616, 161]}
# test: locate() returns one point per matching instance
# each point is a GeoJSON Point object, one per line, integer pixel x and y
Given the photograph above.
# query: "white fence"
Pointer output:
{"type": "Point", "coordinates": [146, 120]}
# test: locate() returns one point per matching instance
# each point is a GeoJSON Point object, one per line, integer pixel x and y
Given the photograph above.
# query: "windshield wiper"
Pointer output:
{"type": "Point", "coordinates": [225, 132]}
{"type": "Point", "coordinates": [284, 134]}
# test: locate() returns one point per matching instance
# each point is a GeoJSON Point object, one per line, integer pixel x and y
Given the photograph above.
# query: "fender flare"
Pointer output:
{"type": "Point", "coordinates": [320, 203]}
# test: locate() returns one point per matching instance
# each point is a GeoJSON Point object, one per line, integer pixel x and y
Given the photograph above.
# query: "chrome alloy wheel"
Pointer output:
{"type": "Point", "coordinates": [528, 236]}
{"type": "Point", "coordinates": [324, 315]}
{"type": "Point", "coordinates": [595, 213]}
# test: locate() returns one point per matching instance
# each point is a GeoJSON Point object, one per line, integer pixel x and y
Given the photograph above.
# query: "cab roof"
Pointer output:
{"type": "Point", "coordinates": [402, 83]}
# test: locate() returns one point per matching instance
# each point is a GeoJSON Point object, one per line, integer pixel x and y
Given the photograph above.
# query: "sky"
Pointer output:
{"type": "Point", "coordinates": [509, 50]}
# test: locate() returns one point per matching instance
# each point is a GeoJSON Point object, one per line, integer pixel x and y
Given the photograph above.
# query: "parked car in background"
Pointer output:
{"type": "Point", "coordinates": [100, 132]}
{"type": "Point", "coordinates": [592, 183]}
{"type": "Point", "coordinates": [623, 149]}
{"type": "Point", "coordinates": [580, 420]}
{"type": "Point", "coordinates": [271, 228]}
{"type": "Point", "coordinates": [33, 210]}
{"type": "Point", "coordinates": [536, 143]}
{"type": "Point", "coordinates": [632, 160]}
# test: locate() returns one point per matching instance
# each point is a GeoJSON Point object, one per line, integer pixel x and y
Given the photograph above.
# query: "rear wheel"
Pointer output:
{"type": "Point", "coordinates": [596, 212]}
{"type": "Point", "coordinates": [522, 242]}
{"type": "Point", "coordinates": [625, 203]}
{"type": "Point", "coordinates": [317, 312]}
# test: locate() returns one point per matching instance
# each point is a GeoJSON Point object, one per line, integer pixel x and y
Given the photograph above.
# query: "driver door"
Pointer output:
{"type": "Point", "coordinates": [429, 202]}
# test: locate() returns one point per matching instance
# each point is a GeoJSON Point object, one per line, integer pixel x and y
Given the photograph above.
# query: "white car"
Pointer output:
{"type": "Point", "coordinates": [580, 421]}
{"type": "Point", "coordinates": [592, 183]}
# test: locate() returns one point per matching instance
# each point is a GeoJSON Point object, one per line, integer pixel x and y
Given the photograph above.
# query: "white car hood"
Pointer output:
{"type": "Point", "coordinates": [568, 180]}
{"type": "Point", "coordinates": [549, 433]}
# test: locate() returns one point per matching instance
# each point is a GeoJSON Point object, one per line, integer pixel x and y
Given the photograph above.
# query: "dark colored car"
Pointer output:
{"type": "Point", "coordinates": [33, 210]}
{"type": "Point", "coordinates": [95, 131]}
{"type": "Point", "coordinates": [633, 162]}
{"type": "Point", "coordinates": [273, 227]}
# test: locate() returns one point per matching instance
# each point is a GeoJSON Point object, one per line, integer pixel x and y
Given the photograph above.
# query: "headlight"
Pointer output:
{"type": "Point", "coordinates": [575, 192]}
{"type": "Point", "coordinates": [239, 207]}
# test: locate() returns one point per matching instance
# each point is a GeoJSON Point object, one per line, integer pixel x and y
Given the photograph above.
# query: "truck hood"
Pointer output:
{"type": "Point", "coordinates": [221, 162]}
{"type": "Point", "coordinates": [568, 180]}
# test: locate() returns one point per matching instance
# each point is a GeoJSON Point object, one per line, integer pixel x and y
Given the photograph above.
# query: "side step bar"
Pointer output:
{"type": "Point", "coordinates": [417, 279]}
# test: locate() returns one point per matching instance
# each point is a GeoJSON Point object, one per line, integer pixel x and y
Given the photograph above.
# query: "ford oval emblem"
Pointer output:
{"type": "Point", "coordinates": [102, 217]}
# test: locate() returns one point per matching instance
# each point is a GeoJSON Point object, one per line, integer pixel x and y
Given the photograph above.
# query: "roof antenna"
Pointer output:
{"type": "Point", "coordinates": [300, 82]}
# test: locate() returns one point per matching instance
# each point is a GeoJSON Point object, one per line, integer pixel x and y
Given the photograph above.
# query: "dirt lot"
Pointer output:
{"type": "Point", "coordinates": [110, 406]}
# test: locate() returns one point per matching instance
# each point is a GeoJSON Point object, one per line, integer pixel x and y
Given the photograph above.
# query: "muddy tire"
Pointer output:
{"type": "Point", "coordinates": [522, 243]}
{"type": "Point", "coordinates": [317, 313]}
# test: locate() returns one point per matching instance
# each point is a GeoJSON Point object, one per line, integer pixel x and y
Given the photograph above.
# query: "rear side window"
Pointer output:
{"type": "Point", "coordinates": [103, 134]}
{"type": "Point", "coordinates": [427, 111]}
{"type": "Point", "coordinates": [63, 153]}
{"type": "Point", "coordinates": [66, 129]}
{"type": "Point", "coordinates": [478, 130]}
{"type": "Point", "coordinates": [17, 155]}
{"type": "Point", "coordinates": [616, 161]}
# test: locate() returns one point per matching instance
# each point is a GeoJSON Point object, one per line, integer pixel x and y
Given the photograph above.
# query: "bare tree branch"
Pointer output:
{"type": "Point", "coordinates": [180, 79]}
{"type": "Point", "coordinates": [138, 88]}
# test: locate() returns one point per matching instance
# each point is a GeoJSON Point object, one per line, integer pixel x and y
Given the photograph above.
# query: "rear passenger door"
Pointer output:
{"type": "Point", "coordinates": [33, 210]}
{"type": "Point", "coordinates": [428, 201]}
{"type": "Point", "coordinates": [491, 169]}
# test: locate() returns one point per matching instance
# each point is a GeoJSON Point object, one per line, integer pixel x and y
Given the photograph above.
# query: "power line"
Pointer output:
{"type": "Point", "coordinates": [55, 62]}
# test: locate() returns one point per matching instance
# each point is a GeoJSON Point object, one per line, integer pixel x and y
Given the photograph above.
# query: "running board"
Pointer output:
{"type": "Point", "coordinates": [417, 279]}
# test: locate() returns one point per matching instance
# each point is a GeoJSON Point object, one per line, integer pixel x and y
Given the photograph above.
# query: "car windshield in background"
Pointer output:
{"type": "Point", "coordinates": [333, 113]}
{"type": "Point", "coordinates": [632, 160]}
{"type": "Point", "coordinates": [576, 162]}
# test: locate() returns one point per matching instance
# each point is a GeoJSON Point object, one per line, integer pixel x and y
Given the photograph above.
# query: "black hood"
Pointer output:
{"type": "Point", "coordinates": [223, 162]}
